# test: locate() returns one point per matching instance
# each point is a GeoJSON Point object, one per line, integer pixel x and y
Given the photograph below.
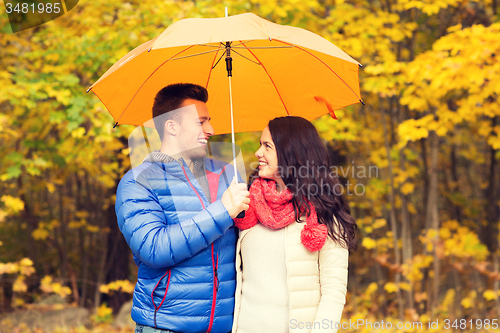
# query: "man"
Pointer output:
{"type": "Point", "coordinates": [175, 211]}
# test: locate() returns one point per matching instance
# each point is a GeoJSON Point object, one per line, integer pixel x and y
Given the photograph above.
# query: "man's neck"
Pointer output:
{"type": "Point", "coordinates": [177, 156]}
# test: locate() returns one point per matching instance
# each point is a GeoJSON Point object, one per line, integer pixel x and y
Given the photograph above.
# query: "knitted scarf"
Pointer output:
{"type": "Point", "coordinates": [275, 210]}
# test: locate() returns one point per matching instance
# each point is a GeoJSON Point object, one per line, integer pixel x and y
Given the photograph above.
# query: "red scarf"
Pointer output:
{"type": "Point", "coordinates": [275, 210]}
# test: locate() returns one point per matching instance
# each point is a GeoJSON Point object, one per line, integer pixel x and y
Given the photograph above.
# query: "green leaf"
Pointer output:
{"type": "Point", "coordinates": [13, 171]}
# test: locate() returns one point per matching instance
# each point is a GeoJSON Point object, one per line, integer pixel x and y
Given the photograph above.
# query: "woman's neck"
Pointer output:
{"type": "Point", "coordinates": [280, 186]}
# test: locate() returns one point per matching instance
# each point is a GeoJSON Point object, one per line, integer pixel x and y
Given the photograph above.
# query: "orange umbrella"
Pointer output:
{"type": "Point", "coordinates": [277, 71]}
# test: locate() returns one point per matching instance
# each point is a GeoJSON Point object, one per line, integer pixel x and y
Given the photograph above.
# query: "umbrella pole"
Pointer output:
{"type": "Point", "coordinates": [229, 68]}
{"type": "Point", "coordinates": [232, 131]}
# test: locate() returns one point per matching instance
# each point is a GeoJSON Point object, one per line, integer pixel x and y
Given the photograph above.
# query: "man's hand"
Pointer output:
{"type": "Point", "coordinates": [235, 199]}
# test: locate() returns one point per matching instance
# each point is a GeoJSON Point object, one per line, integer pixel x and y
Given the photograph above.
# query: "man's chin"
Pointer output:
{"type": "Point", "coordinates": [198, 153]}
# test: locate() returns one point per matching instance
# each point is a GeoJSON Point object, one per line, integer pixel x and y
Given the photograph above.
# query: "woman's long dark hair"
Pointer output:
{"type": "Point", "coordinates": [304, 168]}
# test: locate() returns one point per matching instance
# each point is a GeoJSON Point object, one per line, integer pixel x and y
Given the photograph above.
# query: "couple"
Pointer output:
{"type": "Point", "coordinates": [284, 271]}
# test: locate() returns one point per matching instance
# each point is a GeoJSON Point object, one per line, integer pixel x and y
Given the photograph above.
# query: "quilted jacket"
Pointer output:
{"type": "Point", "coordinates": [184, 246]}
{"type": "Point", "coordinates": [316, 281]}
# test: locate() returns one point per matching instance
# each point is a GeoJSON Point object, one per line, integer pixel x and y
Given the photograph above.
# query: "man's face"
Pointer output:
{"type": "Point", "coordinates": [195, 129]}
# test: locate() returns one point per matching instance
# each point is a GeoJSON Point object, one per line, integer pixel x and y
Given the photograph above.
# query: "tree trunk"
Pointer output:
{"type": "Point", "coordinates": [432, 218]}
{"type": "Point", "coordinates": [496, 284]}
{"type": "Point", "coordinates": [394, 228]}
{"type": "Point", "coordinates": [62, 231]}
{"type": "Point", "coordinates": [118, 263]}
{"type": "Point", "coordinates": [425, 173]}
{"type": "Point", "coordinates": [457, 214]}
{"type": "Point", "coordinates": [405, 221]}
{"type": "Point", "coordinates": [489, 232]}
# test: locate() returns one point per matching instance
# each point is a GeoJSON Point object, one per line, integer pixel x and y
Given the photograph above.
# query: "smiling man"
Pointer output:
{"type": "Point", "coordinates": [177, 217]}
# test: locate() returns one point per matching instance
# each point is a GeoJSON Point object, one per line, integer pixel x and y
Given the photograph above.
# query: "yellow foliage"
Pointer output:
{"type": "Point", "coordinates": [19, 285]}
{"type": "Point", "coordinates": [369, 243]}
{"type": "Point", "coordinates": [104, 314]}
{"type": "Point", "coordinates": [461, 242]}
{"type": "Point", "coordinates": [407, 188]}
{"type": "Point", "coordinates": [78, 133]}
{"type": "Point", "coordinates": [3, 215]}
{"type": "Point", "coordinates": [51, 188]}
{"type": "Point", "coordinates": [12, 204]}
{"type": "Point", "coordinates": [104, 311]}
{"type": "Point", "coordinates": [26, 262]}
{"type": "Point", "coordinates": [490, 295]}
{"type": "Point", "coordinates": [391, 287]}
{"type": "Point", "coordinates": [23, 268]}
{"type": "Point", "coordinates": [8, 268]}
{"type": "Point", "coordinates": [466, 303]}
{"type": "Point", "coordinates": [92, 228]}
{"type": "Point", "coordinates": [412, 268]}
{"type": "Point", "coordinates": [449, 299]}
{"type": "Point", "coordinates": [405, 286]}
{"type": "Point", "coordinates": [118, 285]}
{"type": "Point", "coordinates": [17, 302]}
{"type": "Point", "coordinates": [40, 234]}
{"type": "Point", "coordinates": [379, 223]}
{"type": "Point", "coordinates": [48, 286]}
{"type": "Point", "coordinates": [26, 270]}
{"type": "Point", "coordinates": [465, 60]}
{"type": "Point", "coordinates": [372, 287]}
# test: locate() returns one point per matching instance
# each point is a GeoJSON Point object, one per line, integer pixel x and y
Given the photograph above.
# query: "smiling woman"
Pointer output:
{"type": "Point", "coordinates": [295, 243]}
{"type": "Point", "coordinates": [268, 160]}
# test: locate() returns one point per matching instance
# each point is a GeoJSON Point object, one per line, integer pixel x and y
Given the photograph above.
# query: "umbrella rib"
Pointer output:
{"type": "Point", "coordinates": [248, 41]}
{"type": "Point", "coordinates": [212, 67]}
{"type": "Point", "coordinates": [142, 85]}
{"type": "Point", "coordinates": [208, 45]}
{"type": "Point", "coordinates": [270, 78]}
{"type": "Point", "coordinates": [196, 54]}
{"type": "Point", "coordinates": [241, 55]}
{"type": "Point", "coordinates": [331, 69]}
{"type": "Point", "coordinates": [264, 47]}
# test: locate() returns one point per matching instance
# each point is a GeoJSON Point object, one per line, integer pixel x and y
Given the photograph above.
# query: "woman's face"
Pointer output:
{"type": "Point", "coordinates": [268, 159]}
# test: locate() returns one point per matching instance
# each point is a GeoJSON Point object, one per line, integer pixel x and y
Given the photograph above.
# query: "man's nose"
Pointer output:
{"type": "Point", "coordinates": [208, 130]}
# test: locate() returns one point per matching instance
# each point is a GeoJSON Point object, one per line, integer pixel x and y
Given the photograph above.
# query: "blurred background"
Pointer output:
{"type": "Point", "coordinates": [420, 160]}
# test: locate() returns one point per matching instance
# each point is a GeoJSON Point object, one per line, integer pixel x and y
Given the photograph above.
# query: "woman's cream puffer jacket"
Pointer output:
{"type": "Point", "coordinates": [317, 283]}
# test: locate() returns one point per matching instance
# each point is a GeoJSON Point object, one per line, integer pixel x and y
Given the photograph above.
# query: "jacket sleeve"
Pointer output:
{"type": "Point", "coordinates": [156, 243]}
{"type": "Point", "coordinates": [333, 261]}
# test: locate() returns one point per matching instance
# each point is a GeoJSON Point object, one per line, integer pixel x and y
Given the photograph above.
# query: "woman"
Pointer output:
{"type": "Point", "coordinates": [293, 246]}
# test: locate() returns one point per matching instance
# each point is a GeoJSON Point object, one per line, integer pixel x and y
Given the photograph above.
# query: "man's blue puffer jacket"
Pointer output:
{"type": "Point", "coordinates": [184, 246]}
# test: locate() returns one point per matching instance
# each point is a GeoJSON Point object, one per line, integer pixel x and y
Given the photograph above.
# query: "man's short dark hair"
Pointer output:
{"type": "Point", "coordinates": [170, 99]}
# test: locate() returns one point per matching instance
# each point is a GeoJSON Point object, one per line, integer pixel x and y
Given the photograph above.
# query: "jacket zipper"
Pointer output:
{"type": "Point", "coordinates": [215, 263]}
{"type": "Point", "coordinates": [164, 296]}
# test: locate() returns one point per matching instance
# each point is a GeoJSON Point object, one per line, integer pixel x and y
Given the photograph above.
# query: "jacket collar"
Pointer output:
{"type": "Point", "coordinates": [157, 156]}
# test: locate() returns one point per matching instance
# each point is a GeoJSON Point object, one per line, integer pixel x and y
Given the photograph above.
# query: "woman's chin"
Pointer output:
{"type": "Point", "coordinates": [264, 176]}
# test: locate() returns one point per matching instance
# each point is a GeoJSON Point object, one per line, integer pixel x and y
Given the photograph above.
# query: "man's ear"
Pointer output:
{"type": "Point", "coordinates": [171, 127]}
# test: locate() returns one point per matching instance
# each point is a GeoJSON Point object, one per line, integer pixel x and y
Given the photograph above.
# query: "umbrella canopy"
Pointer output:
{"type": "Point", "coordinates": [277, 71]}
